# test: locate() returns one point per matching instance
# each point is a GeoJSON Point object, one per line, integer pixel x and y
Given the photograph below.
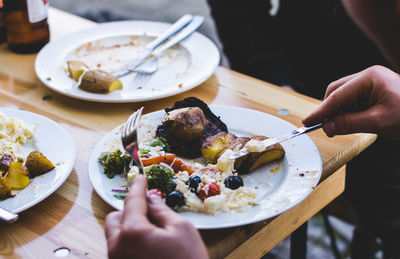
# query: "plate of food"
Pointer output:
{"type": "Point", "coordinates": [185, 150]}
{"type": "Point", "coordinates": [107, 47]}
{"type": "Point", "coordinates": [36, 157]}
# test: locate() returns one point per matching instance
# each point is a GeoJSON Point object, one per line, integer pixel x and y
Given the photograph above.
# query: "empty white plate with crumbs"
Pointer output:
{"type": "Point", "coordinates": [280, 185]}
{"type": "Point", "coordinates": [107, 46]}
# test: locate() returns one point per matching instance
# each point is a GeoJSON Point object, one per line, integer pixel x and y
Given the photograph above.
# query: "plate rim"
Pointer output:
{"type": "Point", "coordinates": [224, 225]}
{"type": "Point", "coordinates": [68, 170]}
{"type": "Point", "coordinates": [199, 81]}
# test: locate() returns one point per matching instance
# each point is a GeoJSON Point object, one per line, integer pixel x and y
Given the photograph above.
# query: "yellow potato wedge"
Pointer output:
{"type": "Point", "coordinates": [17, 176]}
{"type": "Point", "coordinates": [38, 164]}
{"type": "Point", "coordinates": [256, 159]}
{"type": "Point", "coordinates": [214, 145]}
{"type": "Point", "coordinates": [239, 143]}
{"type": "Point", "coordinates": [76, 69]}
{"type": "Point", "coordinates": [99, 81]}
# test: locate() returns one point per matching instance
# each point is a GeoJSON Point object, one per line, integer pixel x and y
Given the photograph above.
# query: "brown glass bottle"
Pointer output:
{"type": "Point", "coordinates": [26, 25]}
{"type": "Point", "coordinates": [2, 23]}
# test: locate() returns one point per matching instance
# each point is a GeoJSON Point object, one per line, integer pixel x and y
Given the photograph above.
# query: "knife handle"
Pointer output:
{"type": "Point", "coordinates": [177, 26]}
{"type": "Point", "coordinates": [196, 22]}
{"type": "Point", "coordinates": [7, 216]}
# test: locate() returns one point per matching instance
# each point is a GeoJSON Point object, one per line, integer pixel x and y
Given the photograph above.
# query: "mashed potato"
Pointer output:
{"type": "Point", "coordinates": [13, 134]}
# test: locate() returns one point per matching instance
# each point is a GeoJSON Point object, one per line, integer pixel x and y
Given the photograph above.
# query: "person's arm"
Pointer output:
{"type": "Point", "coordinates": [368, 101]}
{"type": "Point", "coordinates": [150, 229]}
{"type": "Point", "coordinates": [380, 20]}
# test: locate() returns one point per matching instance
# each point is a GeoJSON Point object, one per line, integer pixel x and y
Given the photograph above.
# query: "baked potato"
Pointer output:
{"type": "Point", "coordinates": [17, 176]}
{"type": "Point", "coordinates": [76, 69]}
{"type": "Point", "coordinates": [5, 190]}
{"type": "Point", "coordinates": [38, 164]}
{"type": "Point", "coordinates": [237, 143]}
{"type": "Point", "coordinates": [214, 145]}
{"type": "Point", "coordinates": [5, 162]}
{"type": "Point", "coordinates": [185, 123]}
{"type": "Point", "coordinates": [99, 81]}
{"type": "Point", "coordinates": [256, 159]}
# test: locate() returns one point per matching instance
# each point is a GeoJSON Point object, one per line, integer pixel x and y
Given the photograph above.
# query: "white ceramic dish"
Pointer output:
{"type": "Point", "coordinates": [182, 68]}
{"type": "Point", "coordinates": [57, 145]}
{"type": "Point", "coordinates": [281, 185]}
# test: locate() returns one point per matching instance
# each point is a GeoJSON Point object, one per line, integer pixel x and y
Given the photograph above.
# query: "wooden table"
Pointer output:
{"type": "Point", "coordinates": [73, 217]}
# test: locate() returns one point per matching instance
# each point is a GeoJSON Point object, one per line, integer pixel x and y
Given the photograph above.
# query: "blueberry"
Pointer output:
{"type": "Point", "coordinates": [175, 200]}
{"type": "Point", "coordinates": [233, 182]}
{"type": "Point", "coordinates": [193, 183]}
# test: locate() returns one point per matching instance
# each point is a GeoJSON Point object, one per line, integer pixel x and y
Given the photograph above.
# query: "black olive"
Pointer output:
{"type": "Point", "coordinates": [175, 200]}
{"type": "Point", "coordinates": [233, 182]}
{"type": "Point", "coordinates": [193, 183]}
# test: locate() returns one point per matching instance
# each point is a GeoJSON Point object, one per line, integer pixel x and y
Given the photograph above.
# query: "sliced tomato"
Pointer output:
{"type": "Point", "coordinates": [208, 190]}
{"type": "Point", "coordinates": [155, 192]}
{"type": "Point", "coordinates": [167, 159]}
{"type": "Point", "coordinates": [179, 166]}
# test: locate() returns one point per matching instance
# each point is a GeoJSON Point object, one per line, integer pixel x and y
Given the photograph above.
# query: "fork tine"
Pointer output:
{"type": "Point", "coordinates": [140, 77]}
{"type": "Point", "coordinates": [127, 125]}
{"type": "Point", "coordinates": [130, 137]}
{"type": "Point", "coordinates": [145, 80]}
{"type": "Point", "coordinates": [137, 119]}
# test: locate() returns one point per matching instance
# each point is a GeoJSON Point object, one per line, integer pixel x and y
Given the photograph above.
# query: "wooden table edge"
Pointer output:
{"type": "Point", "coordinates": [284, 224]}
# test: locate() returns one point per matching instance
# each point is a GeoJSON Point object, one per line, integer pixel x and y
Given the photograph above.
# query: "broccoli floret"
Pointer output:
{"type": "Point", "coordinates": [160, 177]}
{"type": "Point", "coordinates": [115, 162]}
{"type": "Point", "coordinates": [162, 142]}
{"type": "Point", "coordinates": [143, 152]}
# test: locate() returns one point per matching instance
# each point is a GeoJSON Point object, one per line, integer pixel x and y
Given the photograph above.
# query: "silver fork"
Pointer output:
{"type": "Point", "coordinates": [145, 71]}
{"type": "Point", "coordinates": [149, 67]}
{"type": "Point", "coordinates": [130, 138]}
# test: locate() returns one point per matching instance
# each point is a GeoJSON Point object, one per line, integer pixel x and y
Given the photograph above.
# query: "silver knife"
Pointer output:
{"type": "Point", "coordinates": [197, 21]}
{"type": "Point", "coordinates": [7, 215]}
{"type": "Point", "coordinates": [275, 140]}
{"type": "Point", "coordinates": [142, 55]}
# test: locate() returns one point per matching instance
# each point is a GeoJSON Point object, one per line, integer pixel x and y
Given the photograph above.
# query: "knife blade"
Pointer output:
{"type": "Point", "coordinates": [275, 140]}
{"type": "Point", "coordinates": [143, 54]}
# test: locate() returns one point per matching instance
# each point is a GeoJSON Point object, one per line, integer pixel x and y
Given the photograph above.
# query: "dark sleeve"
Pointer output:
{"type": "Point", "coordinates": [252, 40]}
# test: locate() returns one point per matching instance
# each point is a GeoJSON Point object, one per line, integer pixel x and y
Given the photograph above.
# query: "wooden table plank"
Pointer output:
{"type": "Point", "coordinates": [283, 225]}
{"type": "Point", "coordinates": [73, 216]}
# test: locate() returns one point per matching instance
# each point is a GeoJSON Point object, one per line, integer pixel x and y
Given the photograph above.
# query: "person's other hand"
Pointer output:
{"type": "Point", "coordinates": [288, 87]}
{"type": "Point", "coordinates": [150, 229]}
{"type": "Point", "coordinates": [368, 101]}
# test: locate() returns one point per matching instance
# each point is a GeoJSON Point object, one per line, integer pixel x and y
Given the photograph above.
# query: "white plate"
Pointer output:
{"type": "Point", "coordinates": [57, 145]}
{"type": "Point", "coordinates": [281, 185]}
{"type": "Point", "coordinates": [181, 68]}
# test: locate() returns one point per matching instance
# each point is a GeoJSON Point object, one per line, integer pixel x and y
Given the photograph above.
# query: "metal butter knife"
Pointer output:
{"type": "Point", "coordinates": [142, 55]}
{"type": "Point", "coordinates": [8, 216]}
{"type": "Point", "coordinates": [275, 140]}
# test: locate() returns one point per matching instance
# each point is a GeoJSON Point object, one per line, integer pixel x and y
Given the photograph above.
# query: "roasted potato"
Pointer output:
{"type": "Point", "coordinates": [256, 159]}
{"type": "Point", "coordinates": [239, 143]}
{"type": "Point", "coordinates": [185, 123]}
{"type": "Point", "coordinates": [214, 145]}
{"type": "Point", "coordinates": [5, 162]}
{"type": "Point", "coordinates": [76, 69]}
{"type": "Point", "coordinates": [99, 81]}
{"type": "Point", "coordinates": [17, 176]}
{"type": "Point", "coordinates": [38, 164]}
{"type": "Point", "coordinates": [5, 190]}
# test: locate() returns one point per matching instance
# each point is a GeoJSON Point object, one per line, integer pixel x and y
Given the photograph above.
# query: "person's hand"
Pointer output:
{"type": "Point", "coordinates": [288, 87]}
{"type": "Point", "coordinates": [368, 101]}
{"type": "Point", "coordinates": [150, 229]}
